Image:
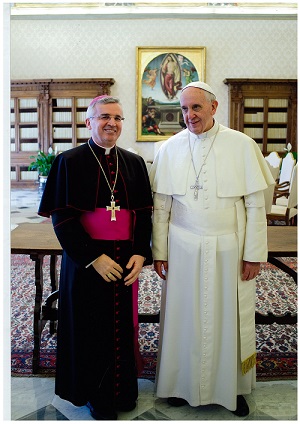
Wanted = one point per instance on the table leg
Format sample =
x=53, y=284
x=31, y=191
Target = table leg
x=53, y=273
x=54, y=286
x=37, y=330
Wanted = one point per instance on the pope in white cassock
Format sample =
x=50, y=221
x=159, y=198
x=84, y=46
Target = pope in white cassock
x=209, y=237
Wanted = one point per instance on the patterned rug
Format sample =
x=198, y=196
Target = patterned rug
x=276, y=344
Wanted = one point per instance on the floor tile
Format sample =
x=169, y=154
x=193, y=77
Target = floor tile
x=32, y=398
x=48, y=413
x=29, y=394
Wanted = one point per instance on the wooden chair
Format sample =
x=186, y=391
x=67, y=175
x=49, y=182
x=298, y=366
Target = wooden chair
x=281, y=196
x=50, y=313
x=274, y=160
x=274, y=167
x=282, y=188
x=287, y=166
x=286, y=212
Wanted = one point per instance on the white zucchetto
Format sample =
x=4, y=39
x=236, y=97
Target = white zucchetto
x=200, y=84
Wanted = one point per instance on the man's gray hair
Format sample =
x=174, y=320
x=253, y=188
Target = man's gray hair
x=101, y=100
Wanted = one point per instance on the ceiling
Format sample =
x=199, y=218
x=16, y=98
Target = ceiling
x=144, y=9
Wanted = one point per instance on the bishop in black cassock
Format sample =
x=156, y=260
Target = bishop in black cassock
x=97, y=353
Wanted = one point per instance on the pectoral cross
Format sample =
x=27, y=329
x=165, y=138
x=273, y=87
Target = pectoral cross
x=113, y=208
x=196, y=187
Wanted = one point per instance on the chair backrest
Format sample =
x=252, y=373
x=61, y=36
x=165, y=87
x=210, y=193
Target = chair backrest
x=293, y=198
x=288, y=163
x=274, y=159
x=275, y=170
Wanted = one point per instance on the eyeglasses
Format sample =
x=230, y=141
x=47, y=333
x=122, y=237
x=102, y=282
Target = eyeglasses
x=106, y=117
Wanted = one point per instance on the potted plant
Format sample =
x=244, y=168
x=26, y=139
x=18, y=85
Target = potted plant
x=42, y=163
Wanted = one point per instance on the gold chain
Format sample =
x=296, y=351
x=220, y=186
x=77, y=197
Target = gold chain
x=117, y=171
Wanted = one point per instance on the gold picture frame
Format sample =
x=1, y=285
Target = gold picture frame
x=161, y=73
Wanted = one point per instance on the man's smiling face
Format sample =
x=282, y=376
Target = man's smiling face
x=105, y=132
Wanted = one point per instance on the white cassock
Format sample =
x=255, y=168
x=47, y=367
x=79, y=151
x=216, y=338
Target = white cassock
x=207, y=333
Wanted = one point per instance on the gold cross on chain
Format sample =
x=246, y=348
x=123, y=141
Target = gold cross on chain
x=113, y=208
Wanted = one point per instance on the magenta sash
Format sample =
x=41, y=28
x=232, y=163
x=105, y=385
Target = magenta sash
x=99, y=225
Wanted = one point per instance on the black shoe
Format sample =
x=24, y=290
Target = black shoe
x=242, y=408
x=102, y=414
x=125, y=406
x=174, y=401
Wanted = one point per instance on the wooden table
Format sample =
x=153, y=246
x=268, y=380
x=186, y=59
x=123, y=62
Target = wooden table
x=39, y=240
x=282, y=242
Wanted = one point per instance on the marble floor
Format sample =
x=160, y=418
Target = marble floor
x=23, y=206
x=33, y=398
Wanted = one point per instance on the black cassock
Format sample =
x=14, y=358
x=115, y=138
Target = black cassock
x=96, y=361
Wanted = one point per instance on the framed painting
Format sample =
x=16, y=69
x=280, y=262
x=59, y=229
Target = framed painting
x=161, y=73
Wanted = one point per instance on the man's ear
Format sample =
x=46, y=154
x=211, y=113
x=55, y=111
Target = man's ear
x=88, y=123
x=214, y=106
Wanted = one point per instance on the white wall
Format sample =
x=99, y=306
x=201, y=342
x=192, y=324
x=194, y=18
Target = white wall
x=106, y=48
x=5, y=374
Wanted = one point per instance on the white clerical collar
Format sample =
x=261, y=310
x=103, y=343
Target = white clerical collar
x=208, y=134
x=107, y=149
